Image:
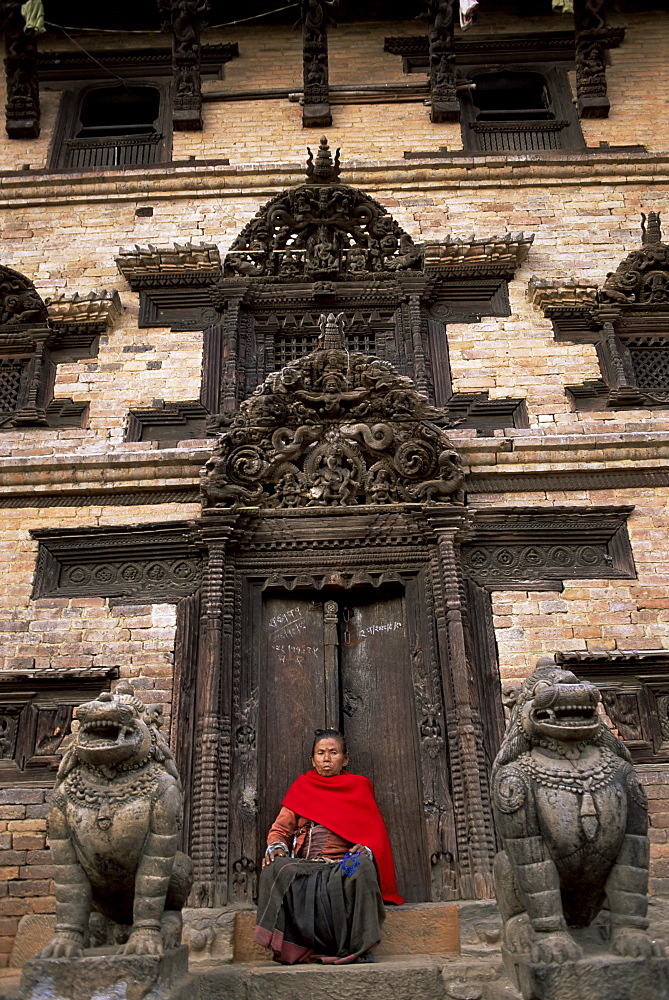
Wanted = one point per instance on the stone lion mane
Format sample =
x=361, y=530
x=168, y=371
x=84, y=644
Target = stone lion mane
x=113, y=827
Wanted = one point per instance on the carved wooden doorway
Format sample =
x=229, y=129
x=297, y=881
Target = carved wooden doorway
x=344, y=660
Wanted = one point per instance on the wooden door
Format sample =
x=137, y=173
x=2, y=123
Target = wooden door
x=343, y=661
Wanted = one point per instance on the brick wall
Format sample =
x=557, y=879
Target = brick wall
x=66, y=234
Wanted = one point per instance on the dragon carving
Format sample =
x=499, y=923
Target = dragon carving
x=113, y=826
x=573, y=820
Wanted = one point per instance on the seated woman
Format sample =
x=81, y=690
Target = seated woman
x=321, y=901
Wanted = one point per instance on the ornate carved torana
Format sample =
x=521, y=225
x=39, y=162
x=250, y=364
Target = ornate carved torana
x=591, y=46
x=628, y=320
x=322, y=231
x=334, y=428
x=444, y=104
x=186, y=19
x=315, y=19
x=22, y=108
x=321, y=244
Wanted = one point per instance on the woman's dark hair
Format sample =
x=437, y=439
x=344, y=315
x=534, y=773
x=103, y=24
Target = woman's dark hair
x=328, y=734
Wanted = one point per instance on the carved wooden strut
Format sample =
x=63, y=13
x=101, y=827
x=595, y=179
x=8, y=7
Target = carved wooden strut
x=444, y=105
x=186, y=19
x=315, y=19
x=590, y=25
x=22, y=109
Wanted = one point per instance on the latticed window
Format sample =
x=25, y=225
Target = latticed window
x=288, y=349
x=11, y=373
x=363, y=341
x=502, y=136
x=650, y=360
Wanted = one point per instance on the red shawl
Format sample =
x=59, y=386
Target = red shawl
x=345, y=804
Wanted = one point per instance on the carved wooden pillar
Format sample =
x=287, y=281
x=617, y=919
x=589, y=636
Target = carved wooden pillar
x=22, y=108
x=444, y=104
x=211, y=751
x=315, y=19
x=590, y=25
x=186, y=19
x=471, y=796
x=414, y=287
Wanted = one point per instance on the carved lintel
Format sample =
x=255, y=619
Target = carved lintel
x=315, y=20
x=444, y=104
x=22, y=108
x=186, y=19
x=591, y=45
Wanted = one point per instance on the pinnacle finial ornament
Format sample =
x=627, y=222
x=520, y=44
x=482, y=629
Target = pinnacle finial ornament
x=651, y=231
x=324, y=170
x=333, y=335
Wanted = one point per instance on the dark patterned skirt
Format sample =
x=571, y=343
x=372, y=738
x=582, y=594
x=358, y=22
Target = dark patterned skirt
x=314, y=911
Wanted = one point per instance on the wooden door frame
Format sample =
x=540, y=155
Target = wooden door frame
x=334, y=548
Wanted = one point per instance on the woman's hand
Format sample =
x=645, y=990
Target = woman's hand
x=269, y=858
x=358, y=849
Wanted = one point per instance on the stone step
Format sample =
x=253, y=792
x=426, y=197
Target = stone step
x=414, y=929
x=416, y=978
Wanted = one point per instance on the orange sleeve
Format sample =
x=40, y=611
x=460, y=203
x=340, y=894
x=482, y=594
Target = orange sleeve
x=283, y=828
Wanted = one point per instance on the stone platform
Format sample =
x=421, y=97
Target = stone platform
x=104, y=975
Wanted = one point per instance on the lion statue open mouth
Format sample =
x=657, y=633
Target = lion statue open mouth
x=113, y=827
x=573, y=820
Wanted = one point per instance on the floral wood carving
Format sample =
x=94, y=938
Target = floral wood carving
x=334, y=429
x=643, y=277
x=19, y=301
x=322, y=230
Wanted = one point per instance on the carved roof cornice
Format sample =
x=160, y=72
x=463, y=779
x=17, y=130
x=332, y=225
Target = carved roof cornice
x=188, y=263
x=139, y=62
x=616, y=657
x=570, y=293
x=492, y=256
x=553, y=45
x=10, y=678
x=97, y=309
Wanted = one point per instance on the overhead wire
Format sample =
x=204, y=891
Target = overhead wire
x=156, y=31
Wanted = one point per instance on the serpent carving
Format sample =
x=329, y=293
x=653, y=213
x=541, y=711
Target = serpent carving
x=113, y=826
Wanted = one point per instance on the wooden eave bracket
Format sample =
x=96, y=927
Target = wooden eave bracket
x=455, y=255
x=99, y=309
x=143, y=263
x=565, y=293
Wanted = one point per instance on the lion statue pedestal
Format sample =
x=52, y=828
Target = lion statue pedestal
x=572, y=877
x=121, y=883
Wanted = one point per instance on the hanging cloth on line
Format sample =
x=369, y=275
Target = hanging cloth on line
x=33, y=15
x=563, y=6
x=468, y=9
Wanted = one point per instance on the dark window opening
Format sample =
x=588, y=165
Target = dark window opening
x=511, y=97
x=518, y=108
x=112, y=126
x=119, y=111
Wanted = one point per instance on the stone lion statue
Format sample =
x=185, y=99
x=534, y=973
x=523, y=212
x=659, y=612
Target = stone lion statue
x=113, y=825
x=573, y=820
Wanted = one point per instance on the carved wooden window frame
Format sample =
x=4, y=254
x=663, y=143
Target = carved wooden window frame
x=642, y=679
x=26, y=701
x=68, y=121
x=565, y=127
